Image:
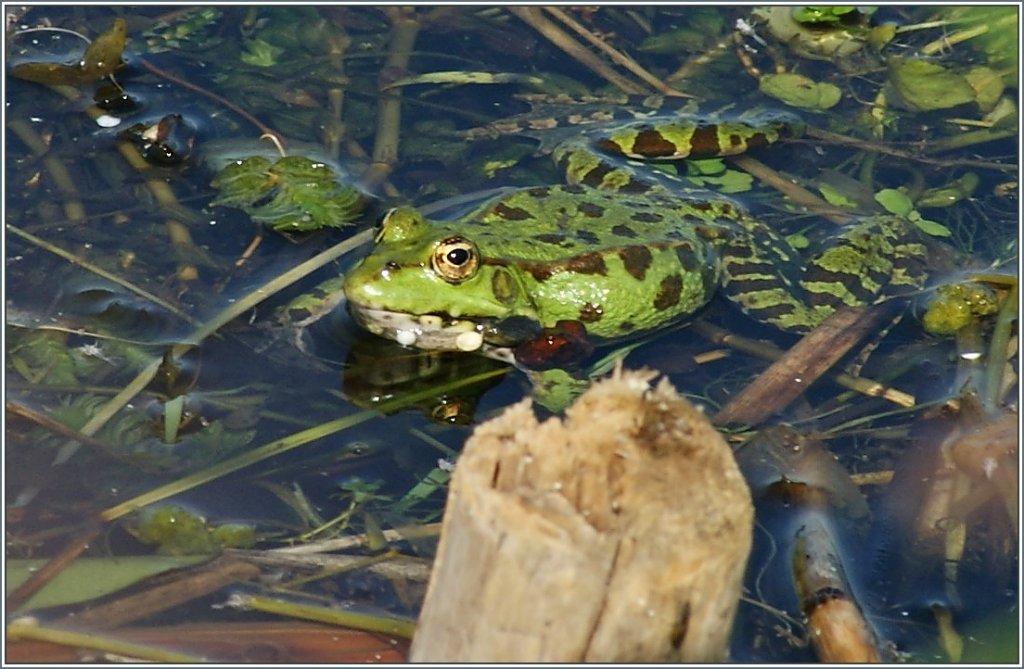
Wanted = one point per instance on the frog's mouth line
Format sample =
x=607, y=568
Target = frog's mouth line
x=429, y=332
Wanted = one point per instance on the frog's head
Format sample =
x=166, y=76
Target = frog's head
x=428, y=285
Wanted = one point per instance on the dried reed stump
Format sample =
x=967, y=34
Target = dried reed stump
x=617, y=535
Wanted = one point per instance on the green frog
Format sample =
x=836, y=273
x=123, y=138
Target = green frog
x=614, y=252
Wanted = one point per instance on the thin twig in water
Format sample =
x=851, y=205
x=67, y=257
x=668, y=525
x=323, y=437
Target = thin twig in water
x=817, y=133
x=616, y=55
x=98, y=271
x=533, y=17
x=263, y=128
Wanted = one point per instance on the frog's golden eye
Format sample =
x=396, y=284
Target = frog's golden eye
x=455, y=259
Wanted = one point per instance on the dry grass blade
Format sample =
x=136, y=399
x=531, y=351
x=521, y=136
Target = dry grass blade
x=106, y=645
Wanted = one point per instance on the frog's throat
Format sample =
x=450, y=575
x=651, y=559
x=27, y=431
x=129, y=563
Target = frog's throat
x=428, y=332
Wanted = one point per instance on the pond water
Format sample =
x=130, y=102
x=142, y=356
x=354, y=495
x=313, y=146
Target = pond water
x=146, y=308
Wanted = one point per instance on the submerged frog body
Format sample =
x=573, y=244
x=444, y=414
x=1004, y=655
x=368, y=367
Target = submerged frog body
x=613, y=251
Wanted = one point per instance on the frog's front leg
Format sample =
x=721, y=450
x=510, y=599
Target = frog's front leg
x=307, y=309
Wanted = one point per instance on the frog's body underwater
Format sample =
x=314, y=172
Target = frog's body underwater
x=615, y=252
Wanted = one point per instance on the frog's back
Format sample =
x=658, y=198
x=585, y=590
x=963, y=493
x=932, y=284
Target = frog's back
x=617, y=264
x=558, y=223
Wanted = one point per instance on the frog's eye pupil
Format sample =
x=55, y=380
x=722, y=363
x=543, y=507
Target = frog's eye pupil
x=458, y=256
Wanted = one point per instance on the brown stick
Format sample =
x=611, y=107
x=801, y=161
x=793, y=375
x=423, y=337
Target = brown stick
x=200, y=582
x=789, y=376
x=72, y=550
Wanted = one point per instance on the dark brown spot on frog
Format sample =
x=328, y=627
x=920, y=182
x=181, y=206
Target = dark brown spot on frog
x=646, y=217
x=623, y=231
x=704, y=142
x=773, y=312
x=710, y=281
x=636, y=260
x=591, y=313
x=550, y=238
x=750, y=266
x=650, y=143
x=539, y=271
x=668, y=292
x=756, y=140
x=587, y=237
x=738, y=250
x=587, y=263
x=539, y=191
x=591, y=210
x=687, y=258
x=609, y=147
x=573, y=189
x=634, y=186
x=626, y=326
x=595, y=177
x=511, y=213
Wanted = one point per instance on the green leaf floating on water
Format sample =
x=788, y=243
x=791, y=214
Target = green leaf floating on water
x=836, y=197
x=797, y=90
x=89, y=578
x=293, y=194
x=101, y=58
x=713, y=173
x=987, y=85
x=896, y=202
x=919, y=85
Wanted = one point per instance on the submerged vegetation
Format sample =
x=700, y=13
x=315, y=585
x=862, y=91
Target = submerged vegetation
x=184, y=186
